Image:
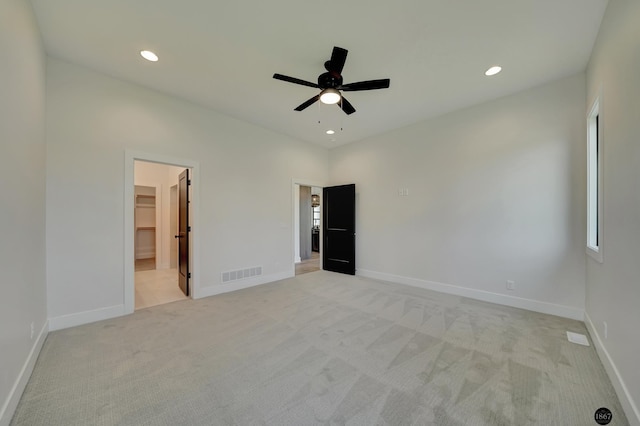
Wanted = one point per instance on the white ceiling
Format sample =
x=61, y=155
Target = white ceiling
x=223, y=54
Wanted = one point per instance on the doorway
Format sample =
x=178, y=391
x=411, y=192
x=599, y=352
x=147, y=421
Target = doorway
x=157, y=207
x=308, y=228
x=130, y=158
x=339, y=229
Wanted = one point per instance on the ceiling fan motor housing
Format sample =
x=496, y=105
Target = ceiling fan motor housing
x=330, y=80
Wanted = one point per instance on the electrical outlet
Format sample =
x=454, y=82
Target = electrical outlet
x=510, y=284
x=606, y=329
x=33, y=329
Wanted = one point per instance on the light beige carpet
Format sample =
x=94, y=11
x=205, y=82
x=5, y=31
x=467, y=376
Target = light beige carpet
x=320, y=349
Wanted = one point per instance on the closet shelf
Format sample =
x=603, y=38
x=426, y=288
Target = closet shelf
x=143, y=200
x=146, y=228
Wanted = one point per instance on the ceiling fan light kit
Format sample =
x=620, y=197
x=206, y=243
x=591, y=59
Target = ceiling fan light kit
x=329, y=96
x=330, y=83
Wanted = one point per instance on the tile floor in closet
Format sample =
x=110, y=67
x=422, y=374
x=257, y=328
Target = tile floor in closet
x=155, y=286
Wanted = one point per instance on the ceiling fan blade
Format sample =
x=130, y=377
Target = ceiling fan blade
x=307, y=103
x=346, y=106
x=294, y=80
x=338, y=58
x=366, y=85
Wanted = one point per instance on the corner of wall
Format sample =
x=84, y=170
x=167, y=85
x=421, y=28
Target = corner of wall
x=626, y=399
x=10, y=405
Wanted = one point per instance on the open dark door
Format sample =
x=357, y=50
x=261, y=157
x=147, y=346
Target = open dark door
x=183, y=232
x=339, y=229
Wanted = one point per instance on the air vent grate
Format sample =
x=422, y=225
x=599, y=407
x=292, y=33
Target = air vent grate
x=578, y=338
x=241, y=274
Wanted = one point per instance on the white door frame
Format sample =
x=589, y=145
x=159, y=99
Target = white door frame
x=295, y=201
x=129, y=210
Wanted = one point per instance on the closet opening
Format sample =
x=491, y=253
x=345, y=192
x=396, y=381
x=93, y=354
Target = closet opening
x=159, y=275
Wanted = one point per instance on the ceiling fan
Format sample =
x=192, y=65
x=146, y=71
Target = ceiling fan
x=331, y=83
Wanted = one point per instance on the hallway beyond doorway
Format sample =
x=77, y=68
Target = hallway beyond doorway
x=309, y=265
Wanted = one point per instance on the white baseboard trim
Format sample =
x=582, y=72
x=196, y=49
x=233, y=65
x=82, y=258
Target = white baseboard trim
x=628, y=404
x=80, y=318
x=86, y=317
x=485, y=296
x=9, y=406
x=242, y=284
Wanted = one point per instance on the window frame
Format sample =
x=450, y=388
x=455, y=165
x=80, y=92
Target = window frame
x=595, y=193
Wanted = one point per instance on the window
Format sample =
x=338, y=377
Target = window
x=594, y=182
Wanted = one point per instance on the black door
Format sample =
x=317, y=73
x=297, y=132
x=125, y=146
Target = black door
x=339, y=229
x=183, y=232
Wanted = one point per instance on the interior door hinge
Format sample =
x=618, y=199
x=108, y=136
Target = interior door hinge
x=188, y=229
x=188, y=181
x=189, y=275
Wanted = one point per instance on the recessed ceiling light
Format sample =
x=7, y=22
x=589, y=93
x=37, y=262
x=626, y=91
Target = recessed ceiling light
x=149, y=55
x=493, y=70
x=330, y=132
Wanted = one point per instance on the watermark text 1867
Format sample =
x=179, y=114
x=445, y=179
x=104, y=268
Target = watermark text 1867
x=603, y=416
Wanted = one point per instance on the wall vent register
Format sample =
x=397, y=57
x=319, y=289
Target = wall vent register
x=241, y=274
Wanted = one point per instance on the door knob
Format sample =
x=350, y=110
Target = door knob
x=177, y=236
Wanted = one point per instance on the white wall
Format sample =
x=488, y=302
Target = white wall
x=22, y=191
x=163, y=177
x=613, y=287
x=495, y=193
x=245, y=184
